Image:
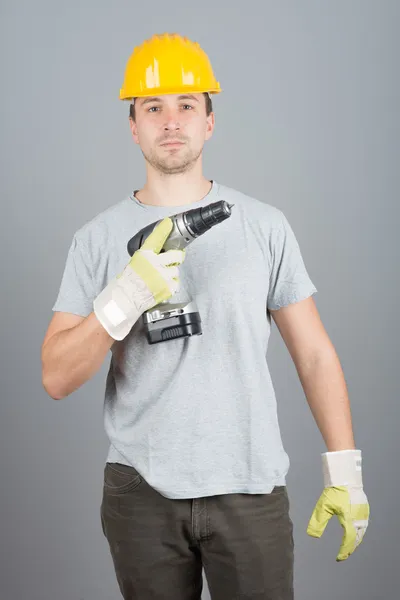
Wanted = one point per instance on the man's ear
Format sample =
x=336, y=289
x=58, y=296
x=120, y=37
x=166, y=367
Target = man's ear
x=210, y=125
x=134, y=132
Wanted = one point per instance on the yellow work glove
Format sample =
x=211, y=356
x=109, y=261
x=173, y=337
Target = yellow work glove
x=148, y=279
x=343, y=495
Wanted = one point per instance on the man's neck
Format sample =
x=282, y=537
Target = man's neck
x=174, y=190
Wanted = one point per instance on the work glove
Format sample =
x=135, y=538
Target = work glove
x=148, y=279
x=343, y=495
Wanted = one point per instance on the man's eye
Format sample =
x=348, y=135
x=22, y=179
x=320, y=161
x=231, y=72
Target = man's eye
x=185, y=106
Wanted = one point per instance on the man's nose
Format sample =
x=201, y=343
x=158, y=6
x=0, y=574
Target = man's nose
x=171, y=121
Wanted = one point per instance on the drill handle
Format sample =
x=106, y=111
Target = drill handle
x=138, y=239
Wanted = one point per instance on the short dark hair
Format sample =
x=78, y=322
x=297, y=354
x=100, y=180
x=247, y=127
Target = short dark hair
x=209, y=107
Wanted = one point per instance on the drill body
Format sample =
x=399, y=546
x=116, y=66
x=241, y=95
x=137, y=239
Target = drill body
x=170, y=320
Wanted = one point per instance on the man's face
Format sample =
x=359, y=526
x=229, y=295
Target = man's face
x=171, y=130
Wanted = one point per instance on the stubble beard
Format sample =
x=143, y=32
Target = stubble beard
x=172, y=164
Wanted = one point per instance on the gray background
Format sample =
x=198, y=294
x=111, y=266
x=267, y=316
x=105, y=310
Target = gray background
x=308, y=121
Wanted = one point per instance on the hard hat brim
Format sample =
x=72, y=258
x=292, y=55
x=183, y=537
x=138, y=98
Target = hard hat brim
x=125, y=95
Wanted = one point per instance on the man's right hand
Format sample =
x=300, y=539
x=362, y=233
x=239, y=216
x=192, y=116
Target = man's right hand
x=148, y=279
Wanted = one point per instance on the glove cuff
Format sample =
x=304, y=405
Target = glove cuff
x=120, y=304
x=342, y=468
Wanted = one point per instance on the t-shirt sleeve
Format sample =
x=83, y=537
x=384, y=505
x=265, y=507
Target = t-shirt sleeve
x=76, y=292
x=289, y=279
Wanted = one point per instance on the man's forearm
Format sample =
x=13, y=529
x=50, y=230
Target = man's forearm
x=325, y=388
x=71, y=357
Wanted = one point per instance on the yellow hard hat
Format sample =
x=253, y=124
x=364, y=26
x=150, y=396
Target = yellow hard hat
x=168, y=64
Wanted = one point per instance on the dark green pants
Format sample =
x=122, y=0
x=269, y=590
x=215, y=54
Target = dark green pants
x=159, y=546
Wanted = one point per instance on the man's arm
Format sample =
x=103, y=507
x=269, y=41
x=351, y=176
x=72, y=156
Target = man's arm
x=73, y=350
x=319, y=371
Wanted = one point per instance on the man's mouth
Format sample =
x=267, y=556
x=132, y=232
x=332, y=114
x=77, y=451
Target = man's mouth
x=173, y=143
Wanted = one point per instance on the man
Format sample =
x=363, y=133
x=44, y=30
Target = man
x=195, y=473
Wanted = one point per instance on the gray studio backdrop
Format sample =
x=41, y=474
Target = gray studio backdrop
x=308, y=121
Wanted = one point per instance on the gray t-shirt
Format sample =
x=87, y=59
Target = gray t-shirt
x=197, y=416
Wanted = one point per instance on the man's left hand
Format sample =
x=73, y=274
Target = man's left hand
x=343, y=495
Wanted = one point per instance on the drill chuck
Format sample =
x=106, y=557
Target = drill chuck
x=199, y=220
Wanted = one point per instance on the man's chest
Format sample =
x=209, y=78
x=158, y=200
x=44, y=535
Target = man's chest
x=228, y=261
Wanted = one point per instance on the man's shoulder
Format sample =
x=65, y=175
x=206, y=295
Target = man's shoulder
x=251, y=206
x=100, y=223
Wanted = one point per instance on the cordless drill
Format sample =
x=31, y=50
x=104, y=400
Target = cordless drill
x=170, y=320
